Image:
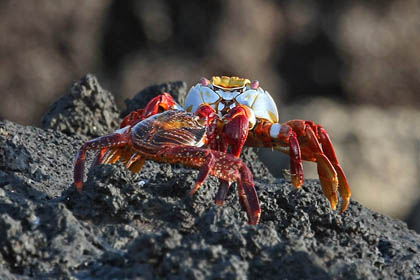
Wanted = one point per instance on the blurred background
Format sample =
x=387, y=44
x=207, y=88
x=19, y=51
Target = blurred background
x=352, y=66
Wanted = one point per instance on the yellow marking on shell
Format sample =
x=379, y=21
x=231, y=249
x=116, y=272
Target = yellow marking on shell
x=230, y=82
x=273, y=117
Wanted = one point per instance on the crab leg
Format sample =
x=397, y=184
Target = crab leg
x=296, y=167
x=136, y=162
x=281, y=137
x=343, y=185
x=205, y=170
x=326, y=171
x=120, y=138
x=99, y=157
x=302, y=140
x=222, y=165
x=320, y=134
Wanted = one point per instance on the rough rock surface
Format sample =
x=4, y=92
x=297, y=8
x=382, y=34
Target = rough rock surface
x=87, y=109
x=147, y=226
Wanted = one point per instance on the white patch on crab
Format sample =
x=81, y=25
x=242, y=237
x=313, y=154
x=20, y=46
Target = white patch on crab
x=227, y=95
x=178, y=107
x=201, y=143
x=208, y=95
x=264, y=106
x=247, y=98
x=219, y=108
x=252, y=120
x=275, y=130
x=198, y=95
x=122, y=130
x=194, y=99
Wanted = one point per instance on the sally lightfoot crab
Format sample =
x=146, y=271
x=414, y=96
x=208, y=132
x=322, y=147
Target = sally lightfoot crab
x=225, y=115
x=172, y=136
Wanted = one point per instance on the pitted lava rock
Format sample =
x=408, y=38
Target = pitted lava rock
x=146, y=226
x=87, y=109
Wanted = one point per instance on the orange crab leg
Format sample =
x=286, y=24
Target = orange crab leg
x=282, y=138
x=326, y=171
x=160, y=103
x=321, y=135
x=99, y=157
x=305, y=140
x=296, y=167
x=222, y=165
x=343, y=185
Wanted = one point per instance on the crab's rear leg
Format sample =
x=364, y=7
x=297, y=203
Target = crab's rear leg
x=298, y=139
x=316, y=136
x=326, y=171
x=343, y=185
x=117, y=139
x=281, y=137
x=222, y=165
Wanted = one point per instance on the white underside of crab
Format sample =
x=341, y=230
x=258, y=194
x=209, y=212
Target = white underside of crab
x=223, y=99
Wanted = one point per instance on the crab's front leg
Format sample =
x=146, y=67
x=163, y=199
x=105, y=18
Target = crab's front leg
x=222, y=165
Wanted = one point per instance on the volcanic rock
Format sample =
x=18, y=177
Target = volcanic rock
x=146, y=225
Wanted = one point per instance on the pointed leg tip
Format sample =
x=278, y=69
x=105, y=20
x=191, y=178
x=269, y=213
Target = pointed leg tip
x=79, y=186
x=297, y=181
x=345, y=205
x=219, y=202
x=333, y=201
x=194, y=190
x=255, y=219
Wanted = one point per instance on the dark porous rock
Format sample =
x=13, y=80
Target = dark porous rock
x=147, y=226
x=413, y=219
x=87, y=109
x=177, y=89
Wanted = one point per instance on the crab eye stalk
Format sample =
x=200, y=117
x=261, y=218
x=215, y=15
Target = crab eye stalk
x=204, y=82
x=255, y=84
